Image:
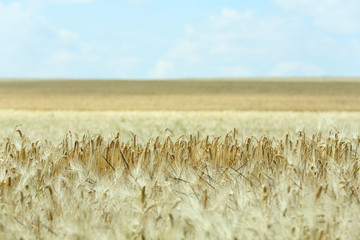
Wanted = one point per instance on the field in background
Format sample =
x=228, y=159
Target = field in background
x=53, y=125
x=181, y=95
x=158, y=174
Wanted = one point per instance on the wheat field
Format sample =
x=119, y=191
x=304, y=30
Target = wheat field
x=146, y=180
x=110, y=173
x=293, y=187
x=286, y=94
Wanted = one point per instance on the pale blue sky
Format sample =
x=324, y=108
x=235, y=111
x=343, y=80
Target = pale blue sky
x=146, y=39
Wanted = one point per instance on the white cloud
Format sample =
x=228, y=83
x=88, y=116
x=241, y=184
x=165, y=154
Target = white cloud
x=235, y=71
x=19, y=36
x=138, y=2
x=188, y=51
x=230, y=13
x=16, y=20
x=340, y=16
x=294, y=68
x=68, y=35
x=229, y=44
x=243, y=43
x=161, y=69
x=31, y=47
x=123, y=66
x=62, y=56
x=227, y=17
x=68, y=2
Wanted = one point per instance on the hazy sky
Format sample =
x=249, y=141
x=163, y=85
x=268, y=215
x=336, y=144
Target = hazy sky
x=179, y=38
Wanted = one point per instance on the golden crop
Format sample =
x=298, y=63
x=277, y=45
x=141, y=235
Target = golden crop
x=293, y=187
x=262, y=159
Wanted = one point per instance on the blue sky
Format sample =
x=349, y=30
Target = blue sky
x=151, y=39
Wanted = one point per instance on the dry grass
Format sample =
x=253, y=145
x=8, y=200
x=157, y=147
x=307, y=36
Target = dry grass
x=293, y=187
x=181, y=95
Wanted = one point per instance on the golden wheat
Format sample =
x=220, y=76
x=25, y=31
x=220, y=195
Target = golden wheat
x=295, y=187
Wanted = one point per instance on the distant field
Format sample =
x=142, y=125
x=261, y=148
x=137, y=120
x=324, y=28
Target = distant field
x=53, y=125
x=181, y=95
